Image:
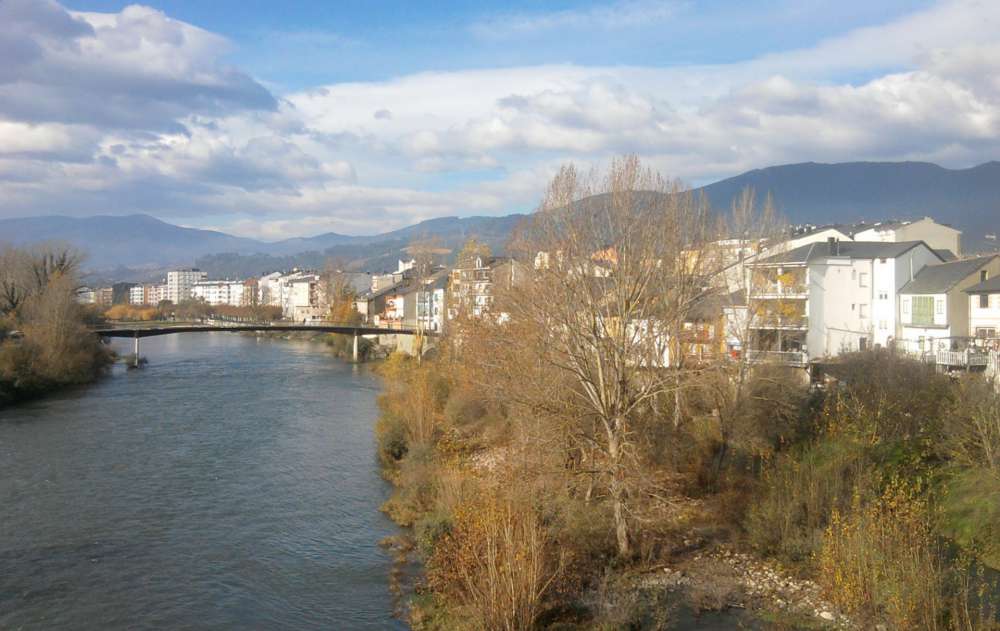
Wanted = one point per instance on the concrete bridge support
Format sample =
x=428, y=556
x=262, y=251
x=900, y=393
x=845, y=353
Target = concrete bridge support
x=355, y=347
x=135, y=359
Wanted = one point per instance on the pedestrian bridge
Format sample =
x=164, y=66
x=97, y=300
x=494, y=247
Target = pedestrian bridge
x=354, y=330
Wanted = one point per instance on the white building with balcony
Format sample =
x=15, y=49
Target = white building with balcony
x=824, y=299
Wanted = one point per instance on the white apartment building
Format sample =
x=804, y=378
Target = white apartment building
x=181, y=282
x=137, y=295
x=823, y=299
x=220, y=292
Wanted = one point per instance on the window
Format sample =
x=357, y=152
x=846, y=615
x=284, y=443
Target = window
x=863, y=279
x=986, y=332
x=939, y=307
x=906, y=305
x=862, y=311
x=983, y=275
x=923, y=310
x=883, y=295
x=984, y=301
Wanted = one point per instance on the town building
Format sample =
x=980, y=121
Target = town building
x=221, y=292
x=181, y=282
x=474, y=285
x=104, y=297
x=937, y=236
x=137, y=295
x=934, y=308
x=822, y=299
x=86, y=295
x=984, y=310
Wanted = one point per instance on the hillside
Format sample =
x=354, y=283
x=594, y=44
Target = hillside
x=968, y=199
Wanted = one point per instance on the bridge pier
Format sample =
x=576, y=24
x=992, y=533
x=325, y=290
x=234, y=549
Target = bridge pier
x=136, y=352
x=355, y=346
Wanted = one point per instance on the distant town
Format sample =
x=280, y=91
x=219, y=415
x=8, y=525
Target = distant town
x=818, y=292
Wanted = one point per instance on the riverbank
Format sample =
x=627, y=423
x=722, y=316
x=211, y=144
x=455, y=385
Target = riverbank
x=804, y=522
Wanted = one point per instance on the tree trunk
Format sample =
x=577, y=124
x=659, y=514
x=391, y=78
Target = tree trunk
x=619, y=495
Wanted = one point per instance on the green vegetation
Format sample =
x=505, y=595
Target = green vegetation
x=44, y=342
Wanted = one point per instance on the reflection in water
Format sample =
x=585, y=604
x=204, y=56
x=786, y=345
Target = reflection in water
x=231, y=483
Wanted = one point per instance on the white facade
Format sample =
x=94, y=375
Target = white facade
x=924, y=322
x=181, y=282
x=984, y=315
x=852, y=301
x=220, y=292
x=137, y=295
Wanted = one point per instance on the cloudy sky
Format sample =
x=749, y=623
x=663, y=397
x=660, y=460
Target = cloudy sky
x=277, y=119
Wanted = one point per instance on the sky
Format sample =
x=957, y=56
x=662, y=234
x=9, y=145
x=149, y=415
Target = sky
x=282, y=119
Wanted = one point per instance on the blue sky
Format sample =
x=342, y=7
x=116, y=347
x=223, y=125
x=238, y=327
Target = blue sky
x=276, y=119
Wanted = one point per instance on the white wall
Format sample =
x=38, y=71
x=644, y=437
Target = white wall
x=840, y=309
x=984, y=318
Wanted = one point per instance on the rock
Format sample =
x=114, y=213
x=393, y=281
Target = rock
x=826, y=615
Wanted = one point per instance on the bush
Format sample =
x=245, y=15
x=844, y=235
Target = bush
x=882, y=561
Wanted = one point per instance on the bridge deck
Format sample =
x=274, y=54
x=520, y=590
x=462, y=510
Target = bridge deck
x=346, y=329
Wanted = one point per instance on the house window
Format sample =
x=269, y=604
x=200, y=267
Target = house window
x=984, y=301
x=862, y=311
x=985, y=331
x=863, y=279
x=906, y=305
x=923, y=310
x=983, y=275
x=939, y=307
x=883, y=295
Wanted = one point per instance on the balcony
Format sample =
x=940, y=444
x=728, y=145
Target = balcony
x=783, y=358
x=962, y=359
x=776, y=323
x=780, y=290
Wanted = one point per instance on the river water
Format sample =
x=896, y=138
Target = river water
x=231, y=483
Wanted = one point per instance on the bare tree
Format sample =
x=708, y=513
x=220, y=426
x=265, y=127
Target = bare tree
x=618, y=265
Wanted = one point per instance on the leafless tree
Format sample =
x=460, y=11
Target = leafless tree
x=618, y=264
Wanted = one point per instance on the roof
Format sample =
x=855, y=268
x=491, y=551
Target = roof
x=847, y=249
x=990, y=286
x=940, y=278
x=946, y=255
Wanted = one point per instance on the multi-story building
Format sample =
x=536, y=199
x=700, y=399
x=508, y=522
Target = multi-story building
x=181, y=282
x=104, y=297
x=137, y=295
x=220, y=292
x=822, y=299
x=934, y=306
x=154, y=294
x=474, y=285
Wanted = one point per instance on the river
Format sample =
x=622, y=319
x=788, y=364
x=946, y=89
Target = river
x=231, y=483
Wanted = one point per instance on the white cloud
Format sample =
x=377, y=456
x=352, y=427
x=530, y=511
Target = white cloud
x=134, y=111
x=619, y=15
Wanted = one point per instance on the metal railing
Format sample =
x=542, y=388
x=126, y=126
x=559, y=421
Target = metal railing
x=787, y=358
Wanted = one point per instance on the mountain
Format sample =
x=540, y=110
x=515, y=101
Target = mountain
x=968, y=199
x=138, y=241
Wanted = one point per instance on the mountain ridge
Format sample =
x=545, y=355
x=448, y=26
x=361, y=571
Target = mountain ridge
x=805, y=192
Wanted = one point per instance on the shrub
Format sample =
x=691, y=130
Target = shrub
x=882, y=561
x=497, y=561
